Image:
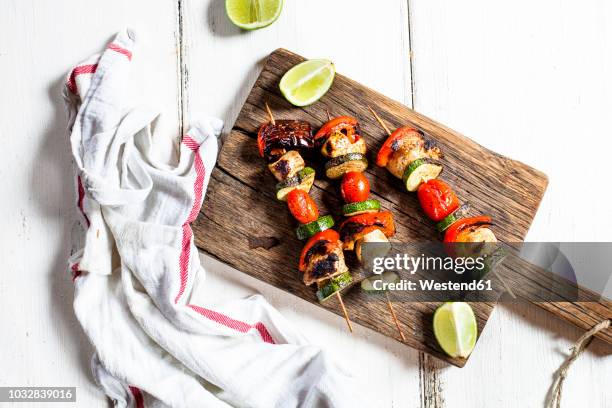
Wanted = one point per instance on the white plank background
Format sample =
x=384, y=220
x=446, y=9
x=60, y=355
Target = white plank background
x=528, y=79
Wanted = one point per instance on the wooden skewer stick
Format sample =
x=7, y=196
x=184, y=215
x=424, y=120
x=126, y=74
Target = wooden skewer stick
x=389, y=304
x=380, y=120
x=346, y=316
x=504, y=283
x=270, y=114
x=399, y=329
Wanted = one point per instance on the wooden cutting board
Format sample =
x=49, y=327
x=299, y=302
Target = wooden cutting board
x=243, y=225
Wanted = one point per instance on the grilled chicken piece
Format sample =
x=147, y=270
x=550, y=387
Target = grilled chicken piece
x=410, y=147
x=475, y=241
x=274, y=140
x=287, y=166
x=338, y=144
x=379, y=247
x=476, y=234
x=324, y=259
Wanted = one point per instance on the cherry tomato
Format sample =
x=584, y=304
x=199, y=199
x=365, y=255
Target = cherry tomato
x=355, y=187
x=302, y=206
x=437, y=199
x=328, y=235
x=391, y=145
x=344, y=124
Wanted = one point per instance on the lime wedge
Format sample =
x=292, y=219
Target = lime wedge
x=387, y=277
x=307, y=82
x=253, y=14
x=455, y=328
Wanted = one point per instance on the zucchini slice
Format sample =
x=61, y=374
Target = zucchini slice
x=305, y=231
x=420, y=171
x=306, y=172
x=333, y=285
x=367, y=285
x=303, y=181
x=369, y=252
x=453, y=217
x=446, y=222
x=338, y=166
x=362, y=207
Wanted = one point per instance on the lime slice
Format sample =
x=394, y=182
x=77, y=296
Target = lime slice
x=387, y=277
x=253, y=14
x=455, y=328
x=307, y=82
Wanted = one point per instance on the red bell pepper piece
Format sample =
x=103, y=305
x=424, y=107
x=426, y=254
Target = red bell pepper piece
x=454, y=230
x=391, y=145
x=261, y=142
x=343, y=124
x=328, y=235
x=437, y=199
x=357, y=226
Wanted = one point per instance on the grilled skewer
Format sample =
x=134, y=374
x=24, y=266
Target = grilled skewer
x=340, y=140
x=322, y=259
x=408, y=155
x=404, y=152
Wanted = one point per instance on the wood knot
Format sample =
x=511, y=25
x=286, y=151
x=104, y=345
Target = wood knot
x=263, y=242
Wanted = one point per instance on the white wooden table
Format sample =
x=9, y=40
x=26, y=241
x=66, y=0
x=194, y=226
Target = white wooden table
x=528, y=79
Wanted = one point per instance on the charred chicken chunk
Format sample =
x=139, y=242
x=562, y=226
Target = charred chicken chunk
x=324, y=260
x=408, y=148
x=287, y=166
x=338, y=144
x=340, y=136
x=477, y=234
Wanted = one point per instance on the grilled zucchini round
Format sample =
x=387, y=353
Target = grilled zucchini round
x=303, y=180
x=339, y=166
x=420, y=171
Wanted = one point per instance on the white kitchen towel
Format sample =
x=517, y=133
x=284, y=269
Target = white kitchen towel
x=135, y=275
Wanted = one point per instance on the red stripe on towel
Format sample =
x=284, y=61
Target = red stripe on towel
x=198, y=187
x=120, y=50
x=82, y=69
x=138, y=398
x=75, y=271
x=237, y=325
x=81, y=195
x=184, y=260
x=190, y=143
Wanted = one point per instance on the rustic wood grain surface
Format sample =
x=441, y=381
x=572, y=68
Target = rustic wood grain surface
x=555, y=294
x=241, y=205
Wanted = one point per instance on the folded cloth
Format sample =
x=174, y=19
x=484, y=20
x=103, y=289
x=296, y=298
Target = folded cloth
x=135, y=275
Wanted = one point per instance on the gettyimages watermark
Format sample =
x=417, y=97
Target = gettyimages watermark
x=414, y=264
x=486, y=272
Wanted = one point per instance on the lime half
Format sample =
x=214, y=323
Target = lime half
x=455, y=328
x=253, y=14
x=307, y=82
